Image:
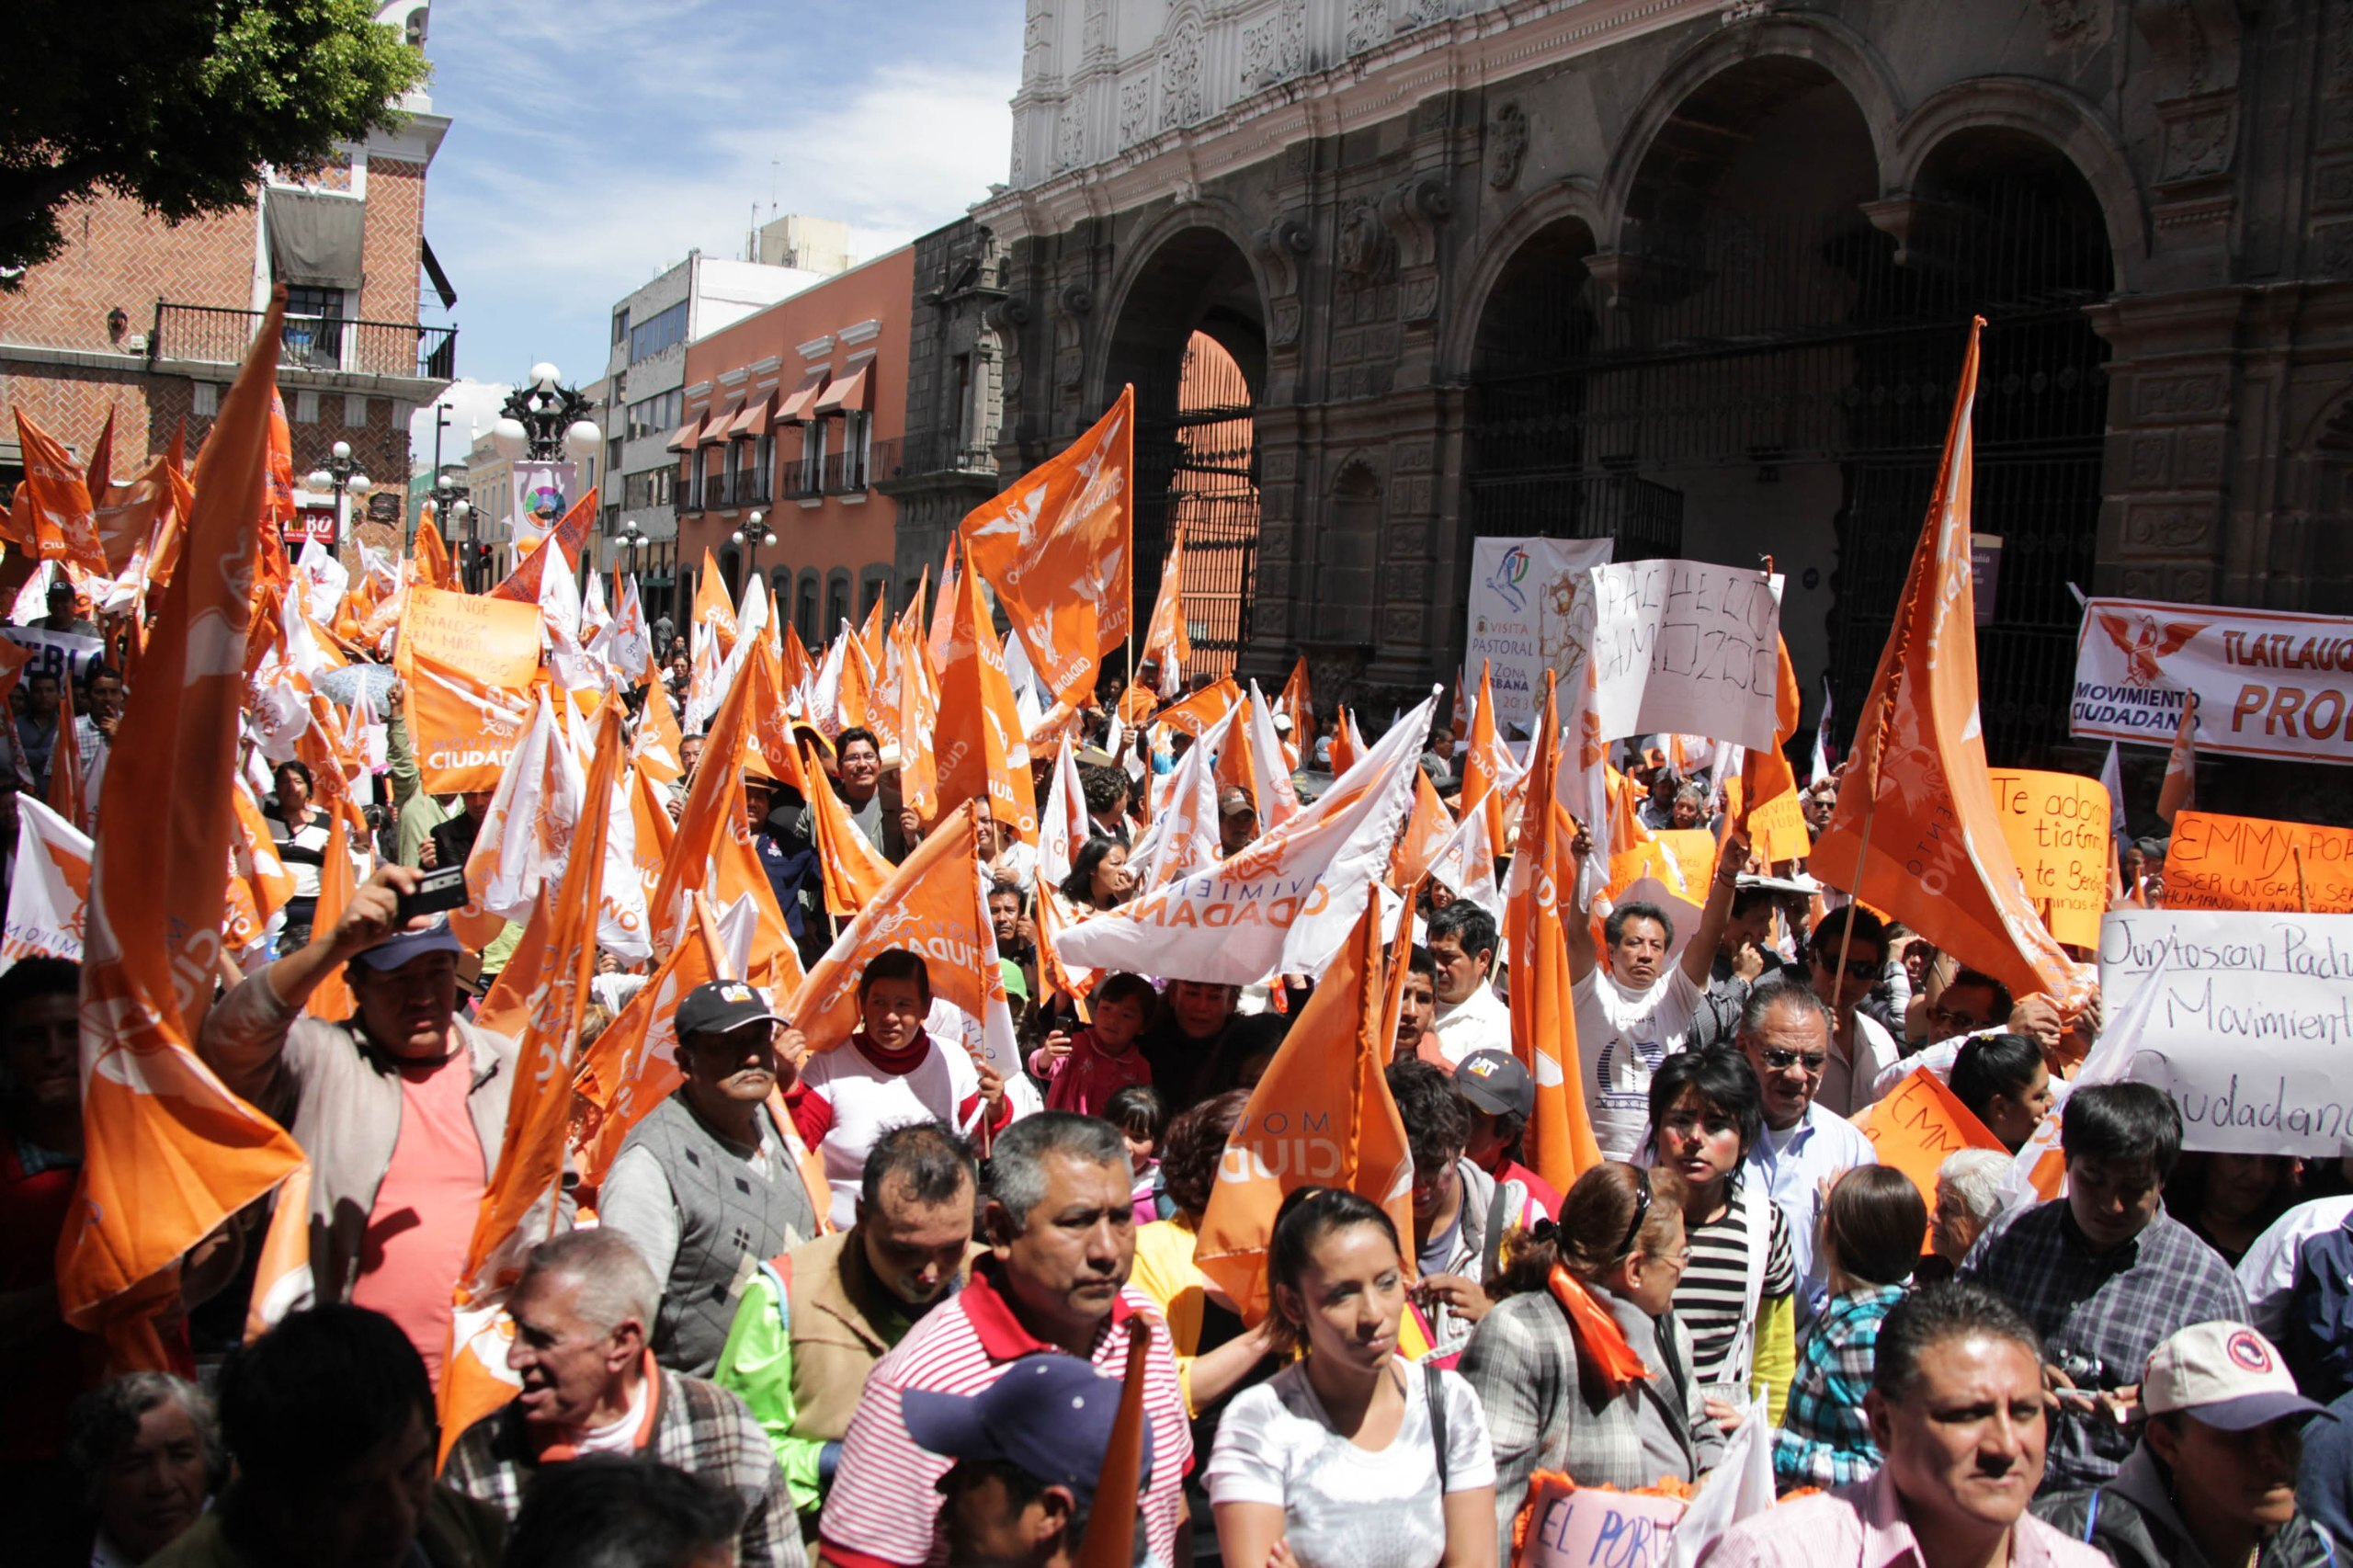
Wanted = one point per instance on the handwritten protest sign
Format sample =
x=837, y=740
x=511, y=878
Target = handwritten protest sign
x=1592, y=1527
x=497, y=641
x=1778, y=830
x=1919, y=1125
x=2250, y=1030
x=2058, y=827
x=2224, y=862
x=1684, y=647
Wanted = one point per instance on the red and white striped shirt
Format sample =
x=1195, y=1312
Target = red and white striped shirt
x=882, y=1508
x=849, y=1096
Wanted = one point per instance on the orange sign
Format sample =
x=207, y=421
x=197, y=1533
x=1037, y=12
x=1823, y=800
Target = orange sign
x=2058, y=827
x=1918, y=1126
x=2222, y=862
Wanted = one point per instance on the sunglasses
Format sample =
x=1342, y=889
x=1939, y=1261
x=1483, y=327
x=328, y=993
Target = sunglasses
x=1782, y=1061
x=1856, y=968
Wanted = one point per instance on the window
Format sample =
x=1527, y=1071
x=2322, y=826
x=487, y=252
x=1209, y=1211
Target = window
x=664, y=330
x=805, y=615
x=762, y=465
x=836, y=600
x=812, y=457
x=876, y=585
x=857, y=448
x=313, y=332
x=655, y=416
x=620, y=324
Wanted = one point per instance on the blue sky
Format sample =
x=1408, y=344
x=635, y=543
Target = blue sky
x=595, y=142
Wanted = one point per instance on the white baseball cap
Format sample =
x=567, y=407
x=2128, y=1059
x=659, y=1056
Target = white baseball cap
x=2226, y=1375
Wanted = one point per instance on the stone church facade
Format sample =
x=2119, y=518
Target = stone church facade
x=1697, y=276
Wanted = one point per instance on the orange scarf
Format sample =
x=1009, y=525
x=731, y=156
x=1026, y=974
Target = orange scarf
x=1597, y=1332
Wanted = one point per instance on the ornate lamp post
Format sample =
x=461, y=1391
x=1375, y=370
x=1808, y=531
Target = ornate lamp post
x=342, y=475
x=545, y=420
x=751, y=536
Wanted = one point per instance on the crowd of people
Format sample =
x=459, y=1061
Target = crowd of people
x=871, y=1299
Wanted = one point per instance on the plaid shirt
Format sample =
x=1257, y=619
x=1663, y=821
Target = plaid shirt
x=699, y=1427
x=2100, y=1316
x=1825, y=1439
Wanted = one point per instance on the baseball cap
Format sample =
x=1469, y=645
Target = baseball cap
x=2226, y=1375
x=402, y=946
x=1234, y=801
x=1495, y=1083
x=1049, y=1415
x=720, y=1006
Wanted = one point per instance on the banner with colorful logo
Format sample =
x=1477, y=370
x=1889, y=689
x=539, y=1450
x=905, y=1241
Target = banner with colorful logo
x=1521, y=590
x=2269, y=683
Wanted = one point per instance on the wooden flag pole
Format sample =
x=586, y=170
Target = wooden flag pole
x=2303, y=892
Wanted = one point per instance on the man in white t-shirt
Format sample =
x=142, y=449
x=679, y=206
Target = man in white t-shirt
x=1631, y=1016
x=1471, y=1016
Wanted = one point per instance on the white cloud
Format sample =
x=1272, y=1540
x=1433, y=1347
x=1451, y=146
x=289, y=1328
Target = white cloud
x=638, y=133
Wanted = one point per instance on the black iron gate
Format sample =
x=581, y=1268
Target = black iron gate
x=1752, y=343
x=1196, y=472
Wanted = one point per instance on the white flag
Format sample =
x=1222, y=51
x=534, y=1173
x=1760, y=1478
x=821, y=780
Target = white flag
x=1286, y=901
x=1269, y=771
x=527, y=832
x=1063, y=825
x=1740, y=1486
x=1183, y=837
x=49, y=891
x=1465, y=862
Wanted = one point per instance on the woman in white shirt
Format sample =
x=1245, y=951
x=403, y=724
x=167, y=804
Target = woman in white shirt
x=1352, y=1457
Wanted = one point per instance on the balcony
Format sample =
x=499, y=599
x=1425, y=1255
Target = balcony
x=219, y=337
x=935, y=453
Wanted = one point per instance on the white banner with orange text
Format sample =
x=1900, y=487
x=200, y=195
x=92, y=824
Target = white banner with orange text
x=2269, y=683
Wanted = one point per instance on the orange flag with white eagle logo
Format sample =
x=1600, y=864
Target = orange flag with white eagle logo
x=1323, y=1116
x=519, y=1209
x=1916, y=832
x=64, y=518
x=1560, y=1141
x=979, y=732
x=170, y=1154
x=1057, y=546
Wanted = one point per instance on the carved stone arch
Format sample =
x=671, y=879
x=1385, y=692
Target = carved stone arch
x=2069, y=124
x=1357, y=473
x=1835, y=47
x=1222, y=217
x=1572, y=200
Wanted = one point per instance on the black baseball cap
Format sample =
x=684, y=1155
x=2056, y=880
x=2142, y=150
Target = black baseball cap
x=721, y=1006
x=1494, y=1082
x=1049, y=1415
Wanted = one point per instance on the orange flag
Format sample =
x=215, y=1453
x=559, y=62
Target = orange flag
x=1298, y=702
x=1110, y=1538
x=518, y=1210
x=1347, y=745
x=658, y=739
x=66, y=765
x=979, y=728
x=570, y=533
x=1321, y=1116
x=2178, y=792
x=713, y=851
x=1425, y=833
x=169, y=1152
x=278, y=509
x=1195, y=713
x=634, y=1065
x=260, y=883
x=1168, y=641
x=430, y=564
x=1485, y=765
x=1921, y=837
x=65, y=521
x=855, y=871
x=1056, y=545
x=1560, y=1140
x=333, y=999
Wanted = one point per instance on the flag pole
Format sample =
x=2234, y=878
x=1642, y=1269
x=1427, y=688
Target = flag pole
x=2303, y=892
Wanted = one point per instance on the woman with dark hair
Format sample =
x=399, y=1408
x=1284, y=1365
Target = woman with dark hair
x=1217, y=1357
x=2004, y=1083
x=2227, y=1200
x=1737, y=1297
x=1872, y=1226
x=299, y=831
x=1583, y=1366
x=1099, y=878
x=1351, y=1457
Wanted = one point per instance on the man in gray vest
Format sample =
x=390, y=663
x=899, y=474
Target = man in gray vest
x=708, y=1187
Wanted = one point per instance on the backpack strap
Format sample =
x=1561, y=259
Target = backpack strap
x=1436, y=1392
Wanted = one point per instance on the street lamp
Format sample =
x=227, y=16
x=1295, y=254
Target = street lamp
x=545, y=419
x=342, y=475
x=752, y=535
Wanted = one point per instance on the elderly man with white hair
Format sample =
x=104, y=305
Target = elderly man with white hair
x=1969, y=1199
x=582, y=1311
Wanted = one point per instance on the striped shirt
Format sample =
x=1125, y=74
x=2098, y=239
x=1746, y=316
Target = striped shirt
x=1712, y=1298
x=882, y=1508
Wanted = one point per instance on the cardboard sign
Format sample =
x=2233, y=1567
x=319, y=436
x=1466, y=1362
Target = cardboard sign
x=2058, y=827
x=2269, y=683
x=2250, y=1031
x=1919, y=1125
x=495, y=641
x=2224, y=862
x=1522, y=591
x=1686, y=647
x=1592, y=1527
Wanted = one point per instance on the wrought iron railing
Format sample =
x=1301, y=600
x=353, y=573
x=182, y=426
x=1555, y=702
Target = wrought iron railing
x=214, y=334
x=935, y=453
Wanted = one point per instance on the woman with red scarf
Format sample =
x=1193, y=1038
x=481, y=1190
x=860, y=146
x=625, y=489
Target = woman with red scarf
x=1582, y=1366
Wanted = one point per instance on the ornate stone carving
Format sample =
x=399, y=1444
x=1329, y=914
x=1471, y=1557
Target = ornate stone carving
x=1506, y=144
x=1275, y=48
x=1180, y=73
x=2071, y=21
x=1135, y=109
x=1281, y=244
x=1037, y=42
x=1363, y=249
x=2196, y=40
x=1367, y=25
x=1094, y=29
x=2202, y=136
x=1423, y=13
x=1069, y=136
x=1412, y=213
